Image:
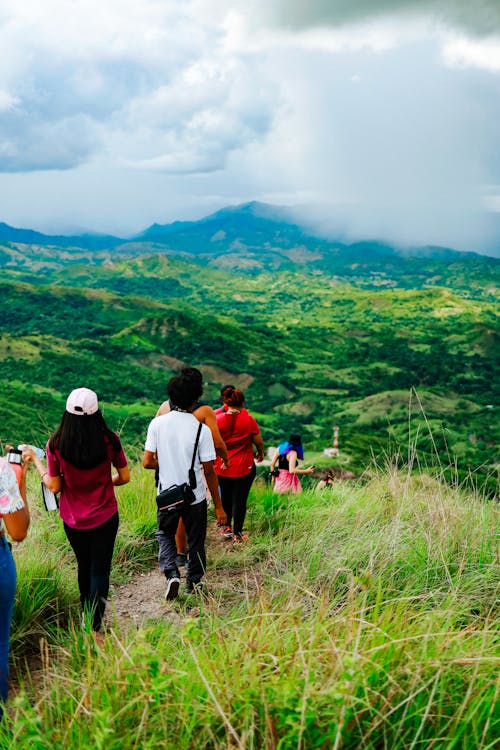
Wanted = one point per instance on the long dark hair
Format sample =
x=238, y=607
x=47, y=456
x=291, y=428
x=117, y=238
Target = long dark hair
x=83, y=440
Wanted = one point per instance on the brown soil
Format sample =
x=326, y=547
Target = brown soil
x=143, y=598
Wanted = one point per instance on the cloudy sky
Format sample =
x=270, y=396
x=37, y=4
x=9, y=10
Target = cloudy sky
x=381, y=117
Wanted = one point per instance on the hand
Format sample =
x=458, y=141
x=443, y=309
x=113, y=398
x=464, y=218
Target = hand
x=28, y=454
x=309, y=470
x=220, y=515
x=259, y=456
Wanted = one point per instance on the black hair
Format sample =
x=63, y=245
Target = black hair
x=193, y=373
x=82, y=440
x=224, y=389
x=295, y=439
x=184, y=391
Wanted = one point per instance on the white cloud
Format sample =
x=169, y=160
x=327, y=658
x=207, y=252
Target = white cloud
x=145, y=81
x=155, y=108
x=463, y=52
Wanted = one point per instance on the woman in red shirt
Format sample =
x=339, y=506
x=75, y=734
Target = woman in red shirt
x=80, y=457
x=240, y=432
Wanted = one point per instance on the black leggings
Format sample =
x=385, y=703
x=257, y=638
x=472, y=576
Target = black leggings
x=93, y=549
x=234, y=494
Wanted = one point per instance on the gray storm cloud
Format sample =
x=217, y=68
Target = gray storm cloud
x=481, y=17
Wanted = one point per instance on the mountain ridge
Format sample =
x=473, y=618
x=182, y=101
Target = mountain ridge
x=253, y=224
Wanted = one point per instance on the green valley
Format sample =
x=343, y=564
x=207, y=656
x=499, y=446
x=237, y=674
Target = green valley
x=390, y=366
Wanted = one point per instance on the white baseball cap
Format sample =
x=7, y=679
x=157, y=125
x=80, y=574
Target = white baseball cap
x=82, y=401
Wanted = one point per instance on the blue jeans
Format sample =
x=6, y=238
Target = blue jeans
x=7, y=592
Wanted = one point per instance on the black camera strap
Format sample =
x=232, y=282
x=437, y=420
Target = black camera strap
x=191, y=474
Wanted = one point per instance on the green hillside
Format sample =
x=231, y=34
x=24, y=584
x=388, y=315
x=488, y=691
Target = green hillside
x=364, y=616
x=308, y=350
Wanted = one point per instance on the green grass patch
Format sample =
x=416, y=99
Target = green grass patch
x=367, y=618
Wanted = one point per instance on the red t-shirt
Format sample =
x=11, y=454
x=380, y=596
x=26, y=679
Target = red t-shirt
x=236, y=431
x=87, y=497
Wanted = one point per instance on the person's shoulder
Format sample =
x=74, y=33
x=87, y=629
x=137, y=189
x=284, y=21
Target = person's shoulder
x=159, y=420
x=164, y=408
x=249, y=416
x=202, y=411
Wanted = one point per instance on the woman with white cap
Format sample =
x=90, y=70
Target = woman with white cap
x=80, y=457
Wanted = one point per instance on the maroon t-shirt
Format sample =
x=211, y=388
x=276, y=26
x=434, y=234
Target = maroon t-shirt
x=236, y=431
x=87, y=497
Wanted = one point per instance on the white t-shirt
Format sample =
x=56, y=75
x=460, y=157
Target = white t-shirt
x=172, y=437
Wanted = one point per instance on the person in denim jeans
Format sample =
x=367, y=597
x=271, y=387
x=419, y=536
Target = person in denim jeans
x=14, y=516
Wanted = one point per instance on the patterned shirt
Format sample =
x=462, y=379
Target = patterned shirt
x=10, y=497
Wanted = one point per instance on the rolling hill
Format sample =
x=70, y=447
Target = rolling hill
x=395, y=356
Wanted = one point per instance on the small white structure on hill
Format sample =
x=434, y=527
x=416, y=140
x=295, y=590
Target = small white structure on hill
x=332, y=452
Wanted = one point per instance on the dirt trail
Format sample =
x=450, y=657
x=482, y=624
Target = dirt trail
x=142, y=601
x=143, y=598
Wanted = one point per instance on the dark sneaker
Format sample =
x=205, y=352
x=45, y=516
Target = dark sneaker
x=180, y=560
x=226, y=532
x=194, y=587
x=172, y=588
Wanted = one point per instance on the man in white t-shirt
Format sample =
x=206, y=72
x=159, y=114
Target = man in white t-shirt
x=169, y=448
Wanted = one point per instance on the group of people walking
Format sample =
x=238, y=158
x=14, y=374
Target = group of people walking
x=187, y=444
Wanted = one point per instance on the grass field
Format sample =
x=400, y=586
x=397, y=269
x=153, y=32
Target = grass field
x=369, y=619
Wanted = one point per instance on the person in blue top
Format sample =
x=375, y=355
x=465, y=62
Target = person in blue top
x=287, y=457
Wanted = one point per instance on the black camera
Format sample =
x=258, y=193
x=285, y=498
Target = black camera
x=274, y=473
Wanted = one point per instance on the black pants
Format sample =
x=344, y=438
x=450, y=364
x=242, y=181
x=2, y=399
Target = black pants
x=234, y=494
x=195, y=521
x=93, y=549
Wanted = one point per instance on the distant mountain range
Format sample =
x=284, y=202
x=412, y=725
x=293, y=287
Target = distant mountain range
x=253, y=239
x=250, y=226
x=31, y=237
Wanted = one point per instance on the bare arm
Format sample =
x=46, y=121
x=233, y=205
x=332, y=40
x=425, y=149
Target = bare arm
x=54, y=484
x=213, y=486
x=292, y=465
x=17, y=523
x=121, y=477
x=206, y=415
x=150, y=460
x=259, y=444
